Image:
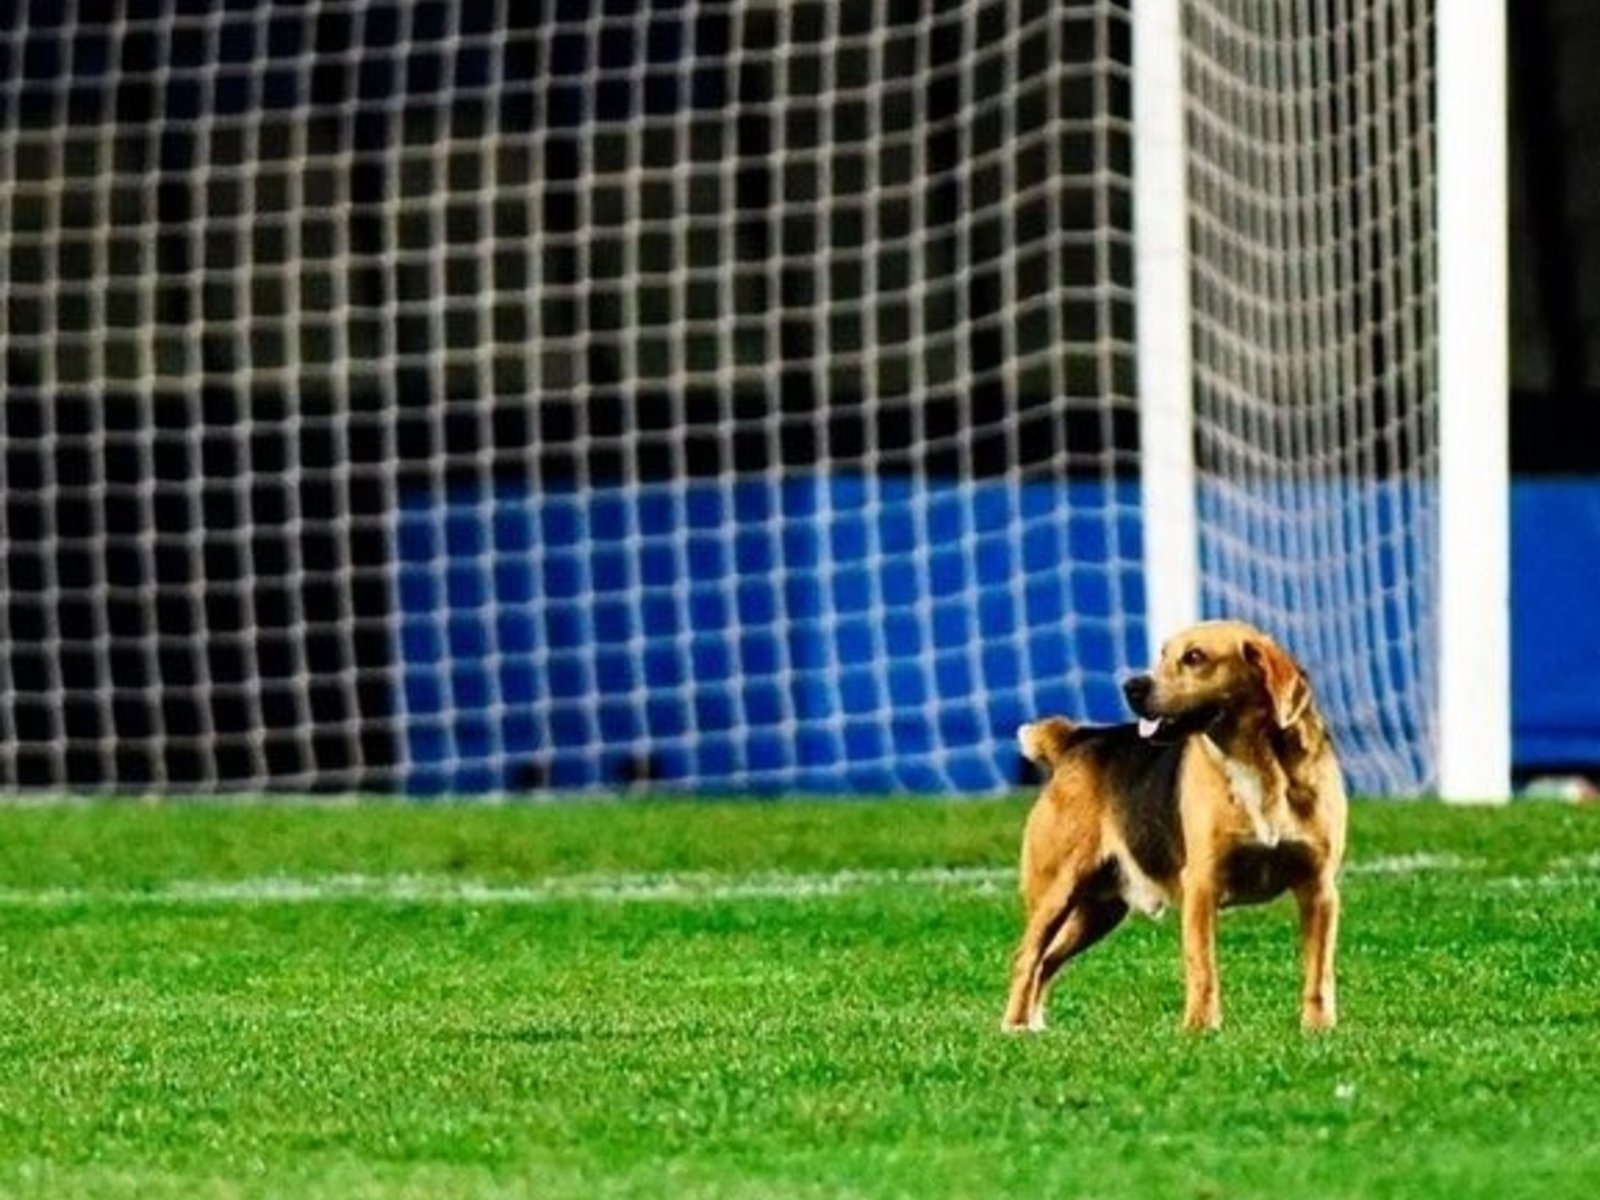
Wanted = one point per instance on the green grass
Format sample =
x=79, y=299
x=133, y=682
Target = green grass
x=459, y=1002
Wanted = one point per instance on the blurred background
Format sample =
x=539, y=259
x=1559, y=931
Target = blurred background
x=469, y=397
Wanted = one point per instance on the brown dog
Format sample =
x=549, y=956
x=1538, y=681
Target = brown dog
x=1227, y=791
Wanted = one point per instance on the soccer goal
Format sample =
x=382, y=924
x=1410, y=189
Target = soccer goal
x=1323, y=358
x=753, y=396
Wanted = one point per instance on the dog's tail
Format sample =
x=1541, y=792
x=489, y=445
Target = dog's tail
x=1045, y=742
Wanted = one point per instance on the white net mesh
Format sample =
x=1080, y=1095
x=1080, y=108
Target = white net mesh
x=1311, y=138
x=461, y=397
x=464, y=397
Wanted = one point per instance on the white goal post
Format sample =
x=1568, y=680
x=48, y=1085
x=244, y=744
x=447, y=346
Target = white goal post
x=1474, y=395
x=1289, y=103
x=437, y=397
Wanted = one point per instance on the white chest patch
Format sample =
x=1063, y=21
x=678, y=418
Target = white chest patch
x=1249, y=790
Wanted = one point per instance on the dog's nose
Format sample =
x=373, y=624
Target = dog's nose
x=1137, y=690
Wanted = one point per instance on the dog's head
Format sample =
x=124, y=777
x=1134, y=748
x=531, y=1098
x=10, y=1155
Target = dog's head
x=1215, y=669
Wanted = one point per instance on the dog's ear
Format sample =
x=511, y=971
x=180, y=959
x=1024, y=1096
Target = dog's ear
x=1284, y=680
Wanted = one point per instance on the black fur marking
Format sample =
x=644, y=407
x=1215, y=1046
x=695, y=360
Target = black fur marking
x=1097, y=893
x=1099, y=918
x=1141, y=776
x=1098, y=905
x=1099, y=886
x=1253, y=874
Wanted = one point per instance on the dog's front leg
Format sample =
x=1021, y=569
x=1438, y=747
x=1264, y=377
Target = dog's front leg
x=1319, y=935
x=1202, y=1004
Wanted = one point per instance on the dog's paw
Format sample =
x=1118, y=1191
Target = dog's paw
x=1034, y=1024
x=1202, y=1022
x=1318, y=1020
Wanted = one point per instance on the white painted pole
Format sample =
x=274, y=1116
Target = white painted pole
x=1161, y=263
x=1474, y=392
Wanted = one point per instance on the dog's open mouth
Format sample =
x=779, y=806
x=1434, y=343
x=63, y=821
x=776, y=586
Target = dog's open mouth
x=1169, y=728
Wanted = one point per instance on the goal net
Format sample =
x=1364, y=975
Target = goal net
x=1313, y=308
x=454, y=397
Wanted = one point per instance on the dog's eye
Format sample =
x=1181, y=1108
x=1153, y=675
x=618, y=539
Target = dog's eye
x=1193, y=657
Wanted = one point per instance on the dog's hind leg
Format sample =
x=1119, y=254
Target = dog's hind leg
x=1060, y=847
x=1088, y=922
x=1066, y=915
x=1047, y=915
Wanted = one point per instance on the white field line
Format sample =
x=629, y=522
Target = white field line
x=1420, y=863
x=443, y=890
x=1578, y=864
x=620, y=887
x=1572, y=870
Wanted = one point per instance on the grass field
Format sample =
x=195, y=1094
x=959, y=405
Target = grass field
x=670, y=999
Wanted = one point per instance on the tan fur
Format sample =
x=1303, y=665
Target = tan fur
x=1263, y=777
x=1043, y=742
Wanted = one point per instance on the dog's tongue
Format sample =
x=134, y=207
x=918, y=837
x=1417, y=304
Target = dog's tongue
x=1148, y=726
